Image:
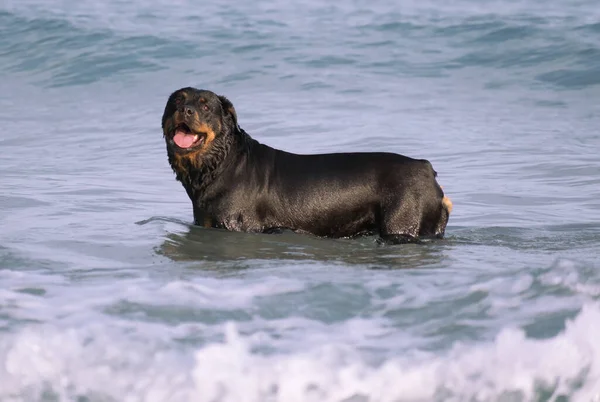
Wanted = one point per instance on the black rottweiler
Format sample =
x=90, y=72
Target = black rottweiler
x=239, y=184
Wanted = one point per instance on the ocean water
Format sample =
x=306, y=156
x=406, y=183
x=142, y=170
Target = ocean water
x=109, y=293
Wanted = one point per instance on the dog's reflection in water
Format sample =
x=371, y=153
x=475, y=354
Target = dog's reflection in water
x=236, y=249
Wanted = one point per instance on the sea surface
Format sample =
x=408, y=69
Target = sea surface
x=109, y=293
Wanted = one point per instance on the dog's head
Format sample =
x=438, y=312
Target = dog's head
x=195, y=121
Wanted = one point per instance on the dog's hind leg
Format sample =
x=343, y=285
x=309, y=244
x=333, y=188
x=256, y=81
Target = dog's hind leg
x=401, y=221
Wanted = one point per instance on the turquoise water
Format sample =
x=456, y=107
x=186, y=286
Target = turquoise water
x=108, y=293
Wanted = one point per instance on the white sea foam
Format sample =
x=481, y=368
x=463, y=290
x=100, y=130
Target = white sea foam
x=103, y=364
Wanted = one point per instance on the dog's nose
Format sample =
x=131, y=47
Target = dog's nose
x=188, y=111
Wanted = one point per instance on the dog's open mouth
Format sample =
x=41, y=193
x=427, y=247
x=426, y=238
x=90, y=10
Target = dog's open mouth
x=185, y=138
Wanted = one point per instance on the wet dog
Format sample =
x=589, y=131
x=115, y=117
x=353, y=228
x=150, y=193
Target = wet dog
x=239, y=184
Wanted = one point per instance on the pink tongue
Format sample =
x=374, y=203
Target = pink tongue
x=183, y=140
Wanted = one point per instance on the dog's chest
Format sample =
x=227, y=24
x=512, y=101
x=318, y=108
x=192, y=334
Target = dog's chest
x=242, y=222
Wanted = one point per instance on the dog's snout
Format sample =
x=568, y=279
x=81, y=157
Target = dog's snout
x=186, y=111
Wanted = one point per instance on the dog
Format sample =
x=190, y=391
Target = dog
x=240, y=184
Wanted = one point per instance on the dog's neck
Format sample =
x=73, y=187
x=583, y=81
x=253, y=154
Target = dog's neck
x=197, y=172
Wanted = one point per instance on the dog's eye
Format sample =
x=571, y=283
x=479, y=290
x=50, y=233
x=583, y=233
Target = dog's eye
x=178, y=101
x=205, y=108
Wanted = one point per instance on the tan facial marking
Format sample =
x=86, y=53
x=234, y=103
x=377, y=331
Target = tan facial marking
x=192, y=157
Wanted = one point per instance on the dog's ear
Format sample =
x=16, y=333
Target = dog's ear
x=228, y=109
